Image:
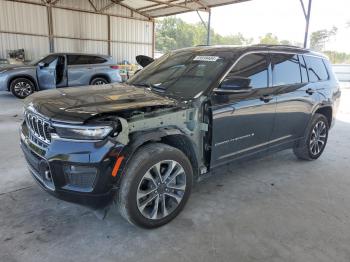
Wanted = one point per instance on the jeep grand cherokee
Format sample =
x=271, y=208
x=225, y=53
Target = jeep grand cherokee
x=142, y=144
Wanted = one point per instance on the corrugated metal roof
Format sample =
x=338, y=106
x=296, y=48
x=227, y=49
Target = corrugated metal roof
x=157, y=8
x=143, y=8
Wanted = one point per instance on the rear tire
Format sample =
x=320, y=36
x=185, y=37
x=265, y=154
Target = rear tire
x=316, y=136
x=99, y=81
x=22, y=87
x=148, y=198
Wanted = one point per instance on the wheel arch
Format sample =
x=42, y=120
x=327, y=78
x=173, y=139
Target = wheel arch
x=171, y=137
x=327, y=111
x=22, y=76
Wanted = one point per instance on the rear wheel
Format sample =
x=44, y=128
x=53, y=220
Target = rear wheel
x=22, y=87
x=315, y=140
x=99, y=81
x=156, y=186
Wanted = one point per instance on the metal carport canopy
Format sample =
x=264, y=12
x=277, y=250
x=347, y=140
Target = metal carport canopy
x=157, y=8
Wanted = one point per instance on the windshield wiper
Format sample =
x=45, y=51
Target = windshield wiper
x=157, y=88
x=152, y=87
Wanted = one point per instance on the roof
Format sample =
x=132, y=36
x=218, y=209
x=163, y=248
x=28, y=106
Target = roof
x=80, y=53
x=158, y=8
x=248, y=48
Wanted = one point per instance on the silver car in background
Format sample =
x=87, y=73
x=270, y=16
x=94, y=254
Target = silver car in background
x=58, y=70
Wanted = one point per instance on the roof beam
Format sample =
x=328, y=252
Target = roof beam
x=169, y=4
x=201, y=4
x=119, y=2
x=106, y=7
x=93, y=6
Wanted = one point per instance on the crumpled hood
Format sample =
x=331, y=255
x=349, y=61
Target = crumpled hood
x=77, y=104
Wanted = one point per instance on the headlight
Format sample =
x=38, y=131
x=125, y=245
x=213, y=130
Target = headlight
x=83, y=132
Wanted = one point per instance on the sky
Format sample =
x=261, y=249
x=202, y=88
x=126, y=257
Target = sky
x=283, y=18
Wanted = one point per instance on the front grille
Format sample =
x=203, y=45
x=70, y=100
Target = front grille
x=39, y=168
x=39, y=127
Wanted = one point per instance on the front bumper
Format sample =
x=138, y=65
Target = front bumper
x=78, y=172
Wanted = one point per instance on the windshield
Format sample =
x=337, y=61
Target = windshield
x=182, y=74
x=36, y=61
x=44, y=59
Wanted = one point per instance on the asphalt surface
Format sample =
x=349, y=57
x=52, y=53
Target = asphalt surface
x=272, y=209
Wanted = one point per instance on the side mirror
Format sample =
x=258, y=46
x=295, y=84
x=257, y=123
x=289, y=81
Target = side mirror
x=41, y=65
x=234, y=85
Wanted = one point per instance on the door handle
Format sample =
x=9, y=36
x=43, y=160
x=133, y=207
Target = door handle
x=266, y=98
x=310, y=91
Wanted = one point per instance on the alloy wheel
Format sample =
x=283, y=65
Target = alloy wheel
x=23, y=89
x=318, y=138
x=100, y=82
x=161, y=189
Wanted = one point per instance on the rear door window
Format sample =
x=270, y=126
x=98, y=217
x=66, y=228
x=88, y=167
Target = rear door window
x=316, y=69
x=253, y=67
x=85, y=60
x=286, y=69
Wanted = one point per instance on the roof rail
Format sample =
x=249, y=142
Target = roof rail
x=278, y=45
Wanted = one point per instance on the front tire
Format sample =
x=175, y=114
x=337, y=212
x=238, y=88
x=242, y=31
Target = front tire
x=22, y=87
x=155, y=186
x=315, y=139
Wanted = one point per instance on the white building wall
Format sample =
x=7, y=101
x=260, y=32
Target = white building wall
x=25, y=18
x=81, y=46
x=130, y=33
x=130, y=38
x=77, y=24
x=34, y=46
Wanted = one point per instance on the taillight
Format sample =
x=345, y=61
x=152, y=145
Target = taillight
x=115, y=67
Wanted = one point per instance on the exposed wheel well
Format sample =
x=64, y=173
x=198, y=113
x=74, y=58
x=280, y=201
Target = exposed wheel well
x=182, y=143
x=100, y=76
x=327, y=112
x=22, y=76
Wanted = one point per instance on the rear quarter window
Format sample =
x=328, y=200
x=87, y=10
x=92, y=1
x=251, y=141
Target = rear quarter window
x=97, y=60
x=316, y=69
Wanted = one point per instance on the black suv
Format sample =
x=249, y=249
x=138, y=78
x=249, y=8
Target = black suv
x=143, y=143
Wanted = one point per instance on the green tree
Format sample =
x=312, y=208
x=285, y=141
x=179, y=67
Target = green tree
x=173, y=33
x=285, y=42
x=319, y=38
x=269, y=39
x=338, y=57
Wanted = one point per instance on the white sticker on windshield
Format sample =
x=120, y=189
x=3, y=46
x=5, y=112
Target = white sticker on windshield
x=206, y=58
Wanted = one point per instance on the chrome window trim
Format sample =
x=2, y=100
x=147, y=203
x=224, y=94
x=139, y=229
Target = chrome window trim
x=267, y=52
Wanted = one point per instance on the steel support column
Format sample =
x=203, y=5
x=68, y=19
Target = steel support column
x=50, y=25
x=109, y=35
x=307, y=15
x=208, y=30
